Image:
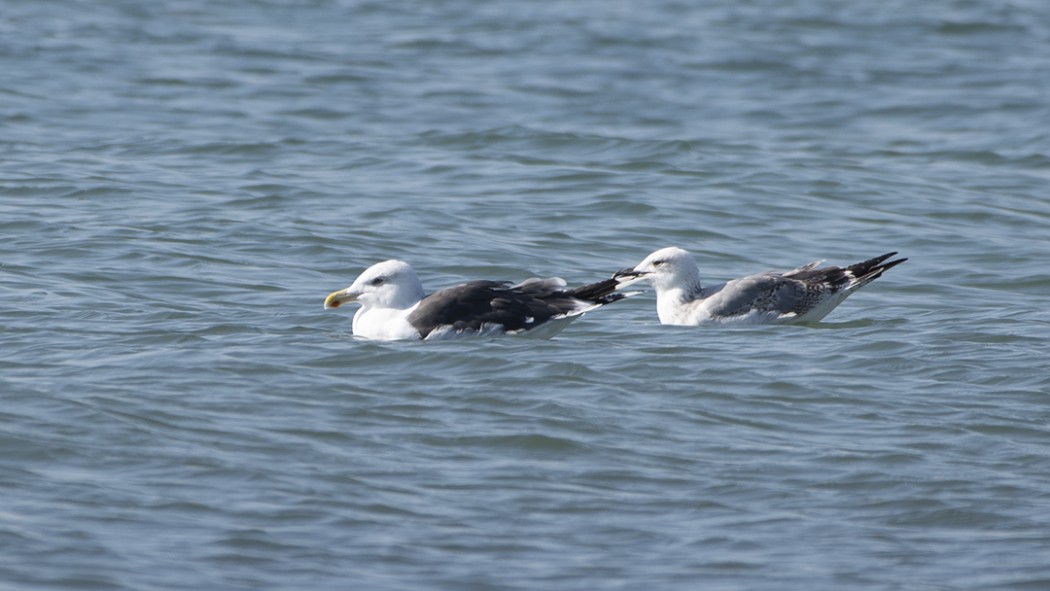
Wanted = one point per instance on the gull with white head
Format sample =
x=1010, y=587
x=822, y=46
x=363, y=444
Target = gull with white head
x=805, y=294
x=394, y=305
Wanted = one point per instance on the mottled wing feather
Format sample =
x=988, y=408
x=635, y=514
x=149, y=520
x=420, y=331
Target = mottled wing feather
x=833, y=278
x=765, y=293
x=795, y=292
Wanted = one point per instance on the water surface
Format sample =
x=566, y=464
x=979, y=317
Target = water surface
x=184, y=182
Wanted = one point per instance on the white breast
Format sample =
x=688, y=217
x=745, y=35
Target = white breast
x=385, y=324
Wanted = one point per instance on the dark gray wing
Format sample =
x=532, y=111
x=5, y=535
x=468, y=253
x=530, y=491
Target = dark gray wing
x=472, y=305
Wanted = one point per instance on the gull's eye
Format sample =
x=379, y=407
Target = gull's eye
x=659, y=263
x=378, y=281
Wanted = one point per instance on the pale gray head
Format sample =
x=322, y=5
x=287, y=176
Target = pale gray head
x=389, y=284
x=667, y=268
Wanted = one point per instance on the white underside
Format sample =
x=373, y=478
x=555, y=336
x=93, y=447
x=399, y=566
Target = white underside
x=447, y=332
x=697, y=313
x=388, y=324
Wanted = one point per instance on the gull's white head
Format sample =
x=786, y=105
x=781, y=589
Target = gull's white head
x=667, y=268
x=389, y=284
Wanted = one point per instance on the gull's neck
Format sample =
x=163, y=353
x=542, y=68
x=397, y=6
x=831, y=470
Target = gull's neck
x=673, y=300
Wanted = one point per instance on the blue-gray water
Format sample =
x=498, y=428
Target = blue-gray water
x=182, y=183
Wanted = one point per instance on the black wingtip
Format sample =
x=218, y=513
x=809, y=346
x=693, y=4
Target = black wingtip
x=872, y=269
x=596, y=292
x=892, y=264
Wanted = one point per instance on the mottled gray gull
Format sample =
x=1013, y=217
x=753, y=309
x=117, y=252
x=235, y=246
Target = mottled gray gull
x=805, y=294
x=394, y=305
